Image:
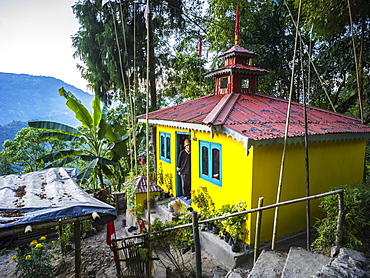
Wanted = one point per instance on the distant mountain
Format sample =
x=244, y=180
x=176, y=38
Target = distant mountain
x=26, y=98
x=8, y=131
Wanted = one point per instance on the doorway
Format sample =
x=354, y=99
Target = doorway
x=180, y=137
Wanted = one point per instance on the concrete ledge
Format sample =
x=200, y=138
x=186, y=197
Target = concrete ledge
x=221, y=250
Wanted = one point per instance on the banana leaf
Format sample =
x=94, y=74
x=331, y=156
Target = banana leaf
x=97, y=112
x=82, y=114
x=59, y=136
x=61, y=162
x=86, y=172
x=62, y=128
x=59, y=155
x=101, y=160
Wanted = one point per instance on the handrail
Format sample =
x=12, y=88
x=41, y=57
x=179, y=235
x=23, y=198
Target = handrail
x=339, y=191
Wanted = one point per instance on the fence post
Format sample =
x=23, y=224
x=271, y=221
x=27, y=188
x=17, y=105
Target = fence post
x=339, y=236
x=198, y=255
x=77, y=235
x=116, y=258
x=258, y=231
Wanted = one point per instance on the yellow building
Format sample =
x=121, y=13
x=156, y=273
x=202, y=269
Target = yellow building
x=237, y=140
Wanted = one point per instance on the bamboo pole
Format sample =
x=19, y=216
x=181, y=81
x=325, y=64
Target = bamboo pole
x=198, y=255
x=308, y=214
x=147, y=19
x=258, y=231
x=77, y=235
x=339, y=236
x=282, y=165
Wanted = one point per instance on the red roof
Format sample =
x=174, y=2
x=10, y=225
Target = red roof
x=236, y=68
x=237, y=50
x=141, y=185
x=258, y=116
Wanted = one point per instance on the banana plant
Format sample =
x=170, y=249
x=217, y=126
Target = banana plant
x=102, y=148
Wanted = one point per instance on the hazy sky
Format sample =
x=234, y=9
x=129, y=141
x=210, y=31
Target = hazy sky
x=35, y=38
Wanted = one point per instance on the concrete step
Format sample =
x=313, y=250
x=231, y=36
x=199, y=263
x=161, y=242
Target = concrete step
x=303, y=263
x=270, y=264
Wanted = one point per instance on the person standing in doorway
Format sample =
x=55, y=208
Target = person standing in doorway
x=183, y=169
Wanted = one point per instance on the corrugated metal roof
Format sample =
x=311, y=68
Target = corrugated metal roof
x=236, y=68
x=141, y=185
x=258, y=116
x=237, y=50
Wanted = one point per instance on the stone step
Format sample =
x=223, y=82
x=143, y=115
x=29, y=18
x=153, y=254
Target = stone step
x=270, y=264
x=303, y=263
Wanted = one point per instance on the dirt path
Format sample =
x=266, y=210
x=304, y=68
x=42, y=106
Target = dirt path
x=97, y=259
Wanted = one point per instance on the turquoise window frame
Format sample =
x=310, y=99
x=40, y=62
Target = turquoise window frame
x=207, y=156
x=165, y=147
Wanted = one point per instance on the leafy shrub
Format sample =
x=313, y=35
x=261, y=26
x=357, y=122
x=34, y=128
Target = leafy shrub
x=356, y=219
x=34, y=261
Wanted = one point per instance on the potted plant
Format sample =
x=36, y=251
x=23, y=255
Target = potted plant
x=234, y=224
x=203, y=204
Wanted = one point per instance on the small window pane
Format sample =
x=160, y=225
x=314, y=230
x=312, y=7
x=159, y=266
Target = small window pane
x=168, y=141
x=162, y=146
x=244, y=83
x=223, y=83
x=216, y=164
x=204, y=161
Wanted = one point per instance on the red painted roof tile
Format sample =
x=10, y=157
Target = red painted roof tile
x=141, y=185
x=259, y=116
x=236, y=49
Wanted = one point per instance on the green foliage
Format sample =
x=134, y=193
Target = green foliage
x=356, y=219
x=96, y=142
x=203, y=201
x=34, y=261
x=131, y=195
x=233, y=225
x=168, y=245
x=21, y=154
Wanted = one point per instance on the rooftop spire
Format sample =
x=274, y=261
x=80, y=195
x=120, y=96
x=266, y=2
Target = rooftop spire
x=236, y=33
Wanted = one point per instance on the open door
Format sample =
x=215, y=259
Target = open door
x=180, y=137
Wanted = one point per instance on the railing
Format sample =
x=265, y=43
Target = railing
x=195, y=223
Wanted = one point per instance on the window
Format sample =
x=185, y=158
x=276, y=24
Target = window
x=165, y=146
x=223, y=83
x=210, y=162
x=244, y=83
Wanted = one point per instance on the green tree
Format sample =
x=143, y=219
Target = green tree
x=20, y=155
x=101, y=146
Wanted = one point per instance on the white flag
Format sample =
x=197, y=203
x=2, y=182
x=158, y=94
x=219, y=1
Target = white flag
x=103, y=2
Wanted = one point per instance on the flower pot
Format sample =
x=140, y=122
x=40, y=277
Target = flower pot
x=215, y=230
x=227, y=237
x=235, y=247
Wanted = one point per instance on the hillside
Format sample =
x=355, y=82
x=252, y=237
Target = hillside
x=25, y=98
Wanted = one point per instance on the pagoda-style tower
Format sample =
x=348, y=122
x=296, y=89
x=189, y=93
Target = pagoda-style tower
x=238, y=75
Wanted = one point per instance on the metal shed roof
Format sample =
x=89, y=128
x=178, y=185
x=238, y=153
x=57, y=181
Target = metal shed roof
x=46, y=195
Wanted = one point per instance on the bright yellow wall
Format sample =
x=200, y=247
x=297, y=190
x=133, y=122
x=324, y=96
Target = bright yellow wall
x=236, y=170
x=331, y=164
x=141, y=199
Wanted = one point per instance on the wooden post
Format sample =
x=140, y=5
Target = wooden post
x=198, y=256
x=77, y=235
x=258, y=231
x=62, y=245
x=116, y=259
x=339, y=236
